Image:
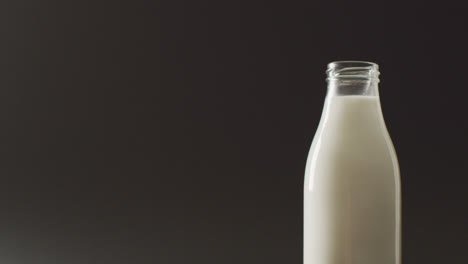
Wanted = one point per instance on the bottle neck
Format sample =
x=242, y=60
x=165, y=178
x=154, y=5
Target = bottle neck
x=352, y=105
x=356, y=87
x=358, y=78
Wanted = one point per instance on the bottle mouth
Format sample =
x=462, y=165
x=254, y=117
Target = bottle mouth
x=353, y=70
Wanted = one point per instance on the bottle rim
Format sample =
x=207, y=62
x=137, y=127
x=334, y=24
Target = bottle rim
x=364, y=70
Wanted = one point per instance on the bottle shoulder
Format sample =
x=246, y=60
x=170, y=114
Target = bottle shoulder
x=344, y=154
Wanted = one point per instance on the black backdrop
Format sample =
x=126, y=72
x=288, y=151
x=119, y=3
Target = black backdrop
x=177, y=131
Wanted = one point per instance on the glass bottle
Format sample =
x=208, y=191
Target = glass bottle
x=352, y=181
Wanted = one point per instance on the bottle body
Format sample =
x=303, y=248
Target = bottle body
x=352, y=185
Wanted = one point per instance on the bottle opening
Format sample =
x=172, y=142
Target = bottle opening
x=353, y=70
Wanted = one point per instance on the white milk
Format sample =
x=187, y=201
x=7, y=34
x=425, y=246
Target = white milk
x=352, y=187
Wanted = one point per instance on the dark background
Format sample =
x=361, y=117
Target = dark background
x=177, y=131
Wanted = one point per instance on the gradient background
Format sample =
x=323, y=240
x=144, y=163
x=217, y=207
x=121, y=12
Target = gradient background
x=177, y=131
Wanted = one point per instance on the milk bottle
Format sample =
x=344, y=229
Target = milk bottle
x=352, y=181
